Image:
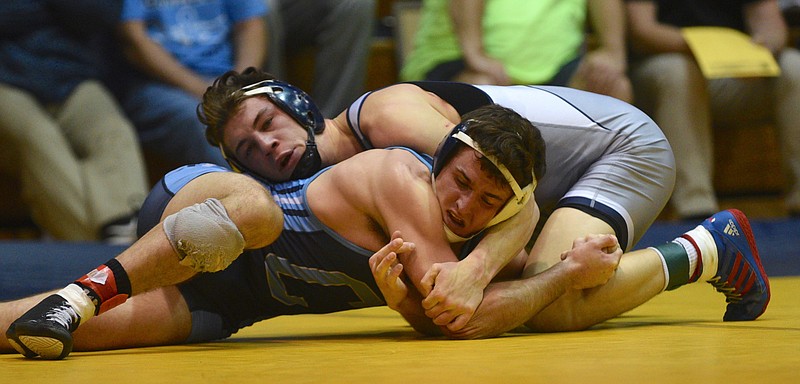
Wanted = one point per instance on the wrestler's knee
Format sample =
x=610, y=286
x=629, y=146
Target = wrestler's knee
x=253, y=210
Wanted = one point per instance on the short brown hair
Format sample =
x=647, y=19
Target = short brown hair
x=221, y=100
x=510, y=138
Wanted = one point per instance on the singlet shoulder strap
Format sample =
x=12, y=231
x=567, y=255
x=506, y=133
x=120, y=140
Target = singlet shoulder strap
x=462, y=96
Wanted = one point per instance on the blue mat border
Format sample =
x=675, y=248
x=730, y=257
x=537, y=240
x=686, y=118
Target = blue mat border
x=30, y=267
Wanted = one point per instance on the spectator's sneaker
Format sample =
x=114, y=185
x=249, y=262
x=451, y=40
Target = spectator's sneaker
x=121, y=231
x=45, y=330
x=740, y=275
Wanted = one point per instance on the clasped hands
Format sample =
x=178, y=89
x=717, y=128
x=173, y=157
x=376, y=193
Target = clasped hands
x=450, y=293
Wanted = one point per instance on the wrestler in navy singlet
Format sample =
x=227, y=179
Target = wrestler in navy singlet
x=308, y=269
x=604, y=156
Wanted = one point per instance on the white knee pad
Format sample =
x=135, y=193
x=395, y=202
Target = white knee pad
x=204, y=236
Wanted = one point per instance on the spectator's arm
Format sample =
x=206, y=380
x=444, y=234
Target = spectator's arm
x=151, y=58
x=607, y=18
x=603, y=69
x=647, y=35
x=467, y=16
x=249, y=43
x=766, y=25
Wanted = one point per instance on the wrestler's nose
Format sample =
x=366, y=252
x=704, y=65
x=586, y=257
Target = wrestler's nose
x=268, y=144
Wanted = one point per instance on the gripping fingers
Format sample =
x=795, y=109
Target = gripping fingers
x=458, y=323
x=608, y=243
x=377, y=257
x=435, y=311
x=427, y=283
x=387, y=264
x=392, y=267
x=445, y=318
x=397, y=244
x=405, y=247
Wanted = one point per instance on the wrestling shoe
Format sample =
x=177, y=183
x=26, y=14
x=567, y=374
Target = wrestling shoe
x=740, y=275
x=45, y=330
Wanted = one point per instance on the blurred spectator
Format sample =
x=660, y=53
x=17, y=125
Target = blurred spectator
x=79, y=163
x=340, y=31
x=669, y=86
x=507, y=42
x=177, y=48
x=791, y=11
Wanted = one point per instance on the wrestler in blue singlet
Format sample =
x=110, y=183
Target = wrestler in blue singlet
x=308, y=269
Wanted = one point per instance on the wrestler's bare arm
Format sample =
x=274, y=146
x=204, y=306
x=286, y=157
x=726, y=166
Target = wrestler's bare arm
x=376, y=193
x=406, y=115
x=388, y=274
x=393, y=193
x=416, y=214
x=590, y=263
x=495, y=251
x=506, y=305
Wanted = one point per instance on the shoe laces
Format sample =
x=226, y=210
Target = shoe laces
x=722, y=286
x=64, y=315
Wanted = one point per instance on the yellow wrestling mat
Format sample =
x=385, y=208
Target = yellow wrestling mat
x=678, y=337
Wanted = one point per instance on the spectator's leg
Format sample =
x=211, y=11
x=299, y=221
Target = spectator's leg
x=673, y=91
x=276, y=39
x=341, y=30
x=111, y=161
x=787, y=110
x=52, y=184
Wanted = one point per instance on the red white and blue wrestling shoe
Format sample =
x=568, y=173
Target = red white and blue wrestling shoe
x=740, y=275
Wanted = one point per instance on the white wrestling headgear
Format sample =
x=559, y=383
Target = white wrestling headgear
x=447, y=148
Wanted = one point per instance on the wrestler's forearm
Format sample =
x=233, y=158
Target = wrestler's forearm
x=502, y=243
x=411, y=310
x=510, y=304
x=421, y=323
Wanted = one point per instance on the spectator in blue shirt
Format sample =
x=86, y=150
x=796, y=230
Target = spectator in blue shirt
x=175, y=50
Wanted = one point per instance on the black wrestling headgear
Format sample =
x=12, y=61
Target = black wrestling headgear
x=297, y=104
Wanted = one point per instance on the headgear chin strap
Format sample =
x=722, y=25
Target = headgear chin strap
x=302, y=109
x=447, y=148
x=307, y=166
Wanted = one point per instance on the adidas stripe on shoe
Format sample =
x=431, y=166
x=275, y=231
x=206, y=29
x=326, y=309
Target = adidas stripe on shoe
x=740, y=275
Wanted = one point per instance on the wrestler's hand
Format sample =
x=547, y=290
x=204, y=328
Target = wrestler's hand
x=451, y=293
x=492, y=318
x=592, y=260
x=387, y=271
